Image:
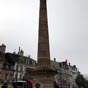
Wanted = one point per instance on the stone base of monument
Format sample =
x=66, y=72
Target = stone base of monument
x=43, y=78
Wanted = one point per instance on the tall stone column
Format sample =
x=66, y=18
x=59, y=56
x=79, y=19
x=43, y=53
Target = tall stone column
x=43, y=40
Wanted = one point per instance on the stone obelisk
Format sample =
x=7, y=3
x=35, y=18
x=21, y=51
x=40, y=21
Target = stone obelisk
x=43, y=76
x=43, y=41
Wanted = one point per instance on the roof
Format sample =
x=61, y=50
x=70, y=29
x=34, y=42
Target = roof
x=11, y=58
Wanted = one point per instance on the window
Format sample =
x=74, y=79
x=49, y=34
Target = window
x=7, y=66
x=20, y=76
x=11, y=75
x=0, y=65
x=6, y=76
x=21, y=68
x=12, y=68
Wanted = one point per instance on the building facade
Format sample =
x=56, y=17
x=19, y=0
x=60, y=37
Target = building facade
x=66, y=74
x=73, y=72
x=13, y=66
x=6, y=66
x=21, y=65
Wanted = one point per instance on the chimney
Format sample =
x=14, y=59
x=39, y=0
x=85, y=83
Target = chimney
x=2, y=48
x=54, y=59
x=21, y=52
x=66, y=61
x=69, y=64
x=14, y=52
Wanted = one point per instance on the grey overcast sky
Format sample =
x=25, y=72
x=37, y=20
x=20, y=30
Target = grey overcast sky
x=68, y=28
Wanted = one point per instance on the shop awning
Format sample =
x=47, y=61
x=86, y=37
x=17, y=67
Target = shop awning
x=30, y=80
x=64, y=85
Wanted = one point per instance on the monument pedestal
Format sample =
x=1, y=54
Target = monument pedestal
x=43, y=78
